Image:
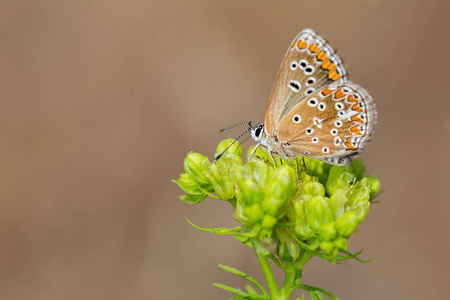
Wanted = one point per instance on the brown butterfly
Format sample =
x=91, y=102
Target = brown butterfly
x=313, y=110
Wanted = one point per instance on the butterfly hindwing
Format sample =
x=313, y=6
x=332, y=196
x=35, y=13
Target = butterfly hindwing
x=334, y=122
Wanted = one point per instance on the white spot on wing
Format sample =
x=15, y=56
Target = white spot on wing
x=318, y=122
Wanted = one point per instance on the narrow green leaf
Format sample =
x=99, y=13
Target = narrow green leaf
x=353, y=256
x=376, y=196
x=275, y=260
x=245, y=276
x=219, y=231
x=250, y=297
x=230, y=289
x=318, y=295
x=250, y=289
x=313, y=288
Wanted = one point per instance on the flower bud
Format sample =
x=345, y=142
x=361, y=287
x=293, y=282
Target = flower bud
x=339, y=178
x=372, y=183
x=337, y=202
x=219, y=176
x=329, y=248
x=234, y=149
x=194, y=199
x=288, y=247
x=328, y=232
x=188, y=184
x=268, y=221
x=302, y=230
x=193, y=192
x=319, y=212
x=254, y=213
x=347, y=224
x=282, y=183
x=196, y=165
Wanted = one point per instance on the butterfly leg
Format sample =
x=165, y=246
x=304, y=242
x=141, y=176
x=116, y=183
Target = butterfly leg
x=304, y=166
x=253, y=153
x=297, y=172
x=273, y=159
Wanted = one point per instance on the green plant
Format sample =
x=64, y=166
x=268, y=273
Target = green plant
x=298, y=222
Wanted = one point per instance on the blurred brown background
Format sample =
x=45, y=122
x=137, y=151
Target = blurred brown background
x=101, y=101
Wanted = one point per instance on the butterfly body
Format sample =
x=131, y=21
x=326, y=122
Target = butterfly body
x=313, y=110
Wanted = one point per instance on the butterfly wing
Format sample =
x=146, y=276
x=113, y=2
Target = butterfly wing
x=334, y=124
x=309, y=64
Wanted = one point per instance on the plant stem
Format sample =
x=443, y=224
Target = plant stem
x=288, y=286
x=265, y=267
x=293, y=274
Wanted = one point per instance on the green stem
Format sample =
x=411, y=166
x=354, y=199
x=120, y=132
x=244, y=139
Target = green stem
x=294, y=274
x=289, y=281
x=265, y=267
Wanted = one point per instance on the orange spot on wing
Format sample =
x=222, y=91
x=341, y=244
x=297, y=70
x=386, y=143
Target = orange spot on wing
x=355, y=118
x=351, y=99
x=333, y=75
x=339, y=94
x=349, y=145
x=326, y=91
x=326, y=63
x=321, y=56
x=356, y=107
x=336, y=77
x=355, y=130
x=313, y=48
x=301, y=44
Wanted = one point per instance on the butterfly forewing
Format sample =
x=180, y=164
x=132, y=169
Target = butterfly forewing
x=309, y=64
x=333, y=124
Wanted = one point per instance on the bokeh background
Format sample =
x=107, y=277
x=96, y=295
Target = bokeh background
x=101, y=101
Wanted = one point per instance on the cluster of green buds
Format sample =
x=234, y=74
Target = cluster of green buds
x=315, y=217
x=322, y=212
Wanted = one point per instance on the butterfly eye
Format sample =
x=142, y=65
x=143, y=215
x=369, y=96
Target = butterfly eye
x=303, y=63
x=339, y=106
x=325, y=149
x=337, y=141
x=322, y=106
x=312, y=102
x=309, y=70
x=338, y=123
x=297, y=119
x=309, y=91
x=315, y=140
x=310, y=81
x=334, y=131
x=258, y=132
x=309, y=131
x=294, y=65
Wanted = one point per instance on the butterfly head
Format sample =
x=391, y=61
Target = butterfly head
x=257, y=133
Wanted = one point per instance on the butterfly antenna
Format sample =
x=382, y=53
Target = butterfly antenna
x=245, y=122
x=223, y=152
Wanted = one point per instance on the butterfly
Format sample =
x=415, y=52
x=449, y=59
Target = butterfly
x=314, y=110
